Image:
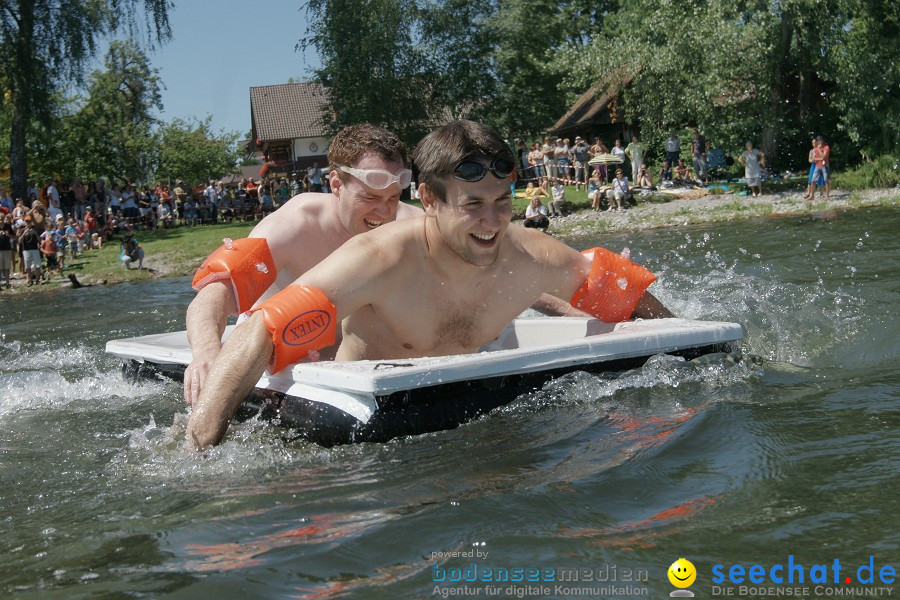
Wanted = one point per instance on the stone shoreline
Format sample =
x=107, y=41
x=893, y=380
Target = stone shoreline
x=715, y=208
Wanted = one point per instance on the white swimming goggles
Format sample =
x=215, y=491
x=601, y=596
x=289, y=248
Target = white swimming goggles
x=379, y=178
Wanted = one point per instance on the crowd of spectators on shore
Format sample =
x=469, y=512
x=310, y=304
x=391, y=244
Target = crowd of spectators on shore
x=548, y=168
x=58, y=221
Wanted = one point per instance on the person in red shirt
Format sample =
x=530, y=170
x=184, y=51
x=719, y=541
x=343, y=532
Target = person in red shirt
x=822, y=161
x=90, y=223
x=49, y=249
x=162, y=190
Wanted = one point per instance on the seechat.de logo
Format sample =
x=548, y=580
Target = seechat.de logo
x=682, y=574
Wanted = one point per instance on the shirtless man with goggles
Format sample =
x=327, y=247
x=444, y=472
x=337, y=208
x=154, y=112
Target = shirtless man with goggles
x=444, y=283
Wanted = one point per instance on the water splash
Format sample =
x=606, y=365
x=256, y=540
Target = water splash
x=163, y=454
x=46, y=389
x=47, y=356
x=787, y=319
x=661, y=371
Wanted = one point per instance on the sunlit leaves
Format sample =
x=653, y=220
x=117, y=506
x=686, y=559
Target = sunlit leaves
x=46, y=43
x=772, y=72
x=192, y=151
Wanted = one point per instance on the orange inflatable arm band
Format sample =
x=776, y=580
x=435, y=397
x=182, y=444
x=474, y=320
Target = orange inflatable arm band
x=613, y=287
x=246, y=262
x=300, y=319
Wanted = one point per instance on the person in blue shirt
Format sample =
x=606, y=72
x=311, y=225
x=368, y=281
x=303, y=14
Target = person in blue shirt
x=131, y=251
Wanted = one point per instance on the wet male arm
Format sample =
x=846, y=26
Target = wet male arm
x=236, y=370
x=351, y=277
x=206, y=318
x=208, y=312
x=570, y=268
x=649, y=307
x=556, y=307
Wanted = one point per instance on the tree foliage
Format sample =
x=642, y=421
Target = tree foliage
x=864, y=65
x=771, y=72
x=46, y=43
x=191, y=151
x=456, y=41
x=527, y=34
x=374, y=70
x=420, y=63
x=774, y=71
x=534, y=84
x=111, y=132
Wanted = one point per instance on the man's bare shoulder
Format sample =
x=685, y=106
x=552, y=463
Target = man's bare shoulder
x=303, y=210
x=398, y=233
x=536, y=247
x=305, y=217
x=395, y=243
x=384, y=255
x=529, y=241
x=408, y=211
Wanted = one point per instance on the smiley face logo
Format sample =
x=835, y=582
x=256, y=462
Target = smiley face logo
x=682, y=573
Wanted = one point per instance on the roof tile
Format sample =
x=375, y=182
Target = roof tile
x=288, y=110
x=589, y=104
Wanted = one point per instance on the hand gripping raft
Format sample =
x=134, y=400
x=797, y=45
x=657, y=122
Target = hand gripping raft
x=301, y=319
x=613, y=287
x=246, y=262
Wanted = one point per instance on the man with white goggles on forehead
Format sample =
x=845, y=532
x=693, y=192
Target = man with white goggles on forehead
x=370, y=168
x=442, y=284
x=379, y=179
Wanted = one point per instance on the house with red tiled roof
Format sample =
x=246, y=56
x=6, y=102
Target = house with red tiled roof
x=287, y=128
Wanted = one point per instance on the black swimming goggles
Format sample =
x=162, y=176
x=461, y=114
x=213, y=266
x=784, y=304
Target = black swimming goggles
x=472, y=170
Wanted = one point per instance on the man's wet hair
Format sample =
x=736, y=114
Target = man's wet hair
x=355, y=141
x=438, y=154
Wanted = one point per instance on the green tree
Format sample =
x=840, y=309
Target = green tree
x=42, y=135
x=771, y=72
x=45, y=43
x=111, y=132
x=668, y=76
x=535, y=84
x=527, y=34
x=423, y=62
x=456, y=41
x=371, y=64
x=865, y=67
x=191, y=151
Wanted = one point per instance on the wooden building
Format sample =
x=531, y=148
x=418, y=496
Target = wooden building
x=595, y=114
x=287, y=129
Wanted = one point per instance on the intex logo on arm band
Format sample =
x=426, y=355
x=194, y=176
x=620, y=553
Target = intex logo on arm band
x=306, y=327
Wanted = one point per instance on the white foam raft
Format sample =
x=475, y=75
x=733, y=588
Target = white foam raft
x=376, y=400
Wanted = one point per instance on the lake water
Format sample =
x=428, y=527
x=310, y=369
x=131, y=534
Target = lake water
x=793, y=450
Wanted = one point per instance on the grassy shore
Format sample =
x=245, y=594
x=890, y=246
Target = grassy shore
x=167, y=253
x=179, y=251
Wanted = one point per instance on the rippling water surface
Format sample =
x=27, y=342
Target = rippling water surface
x=793, y=450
